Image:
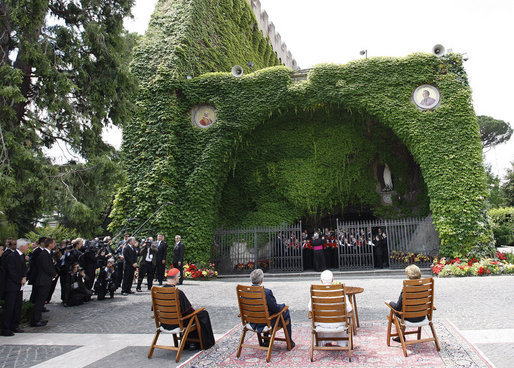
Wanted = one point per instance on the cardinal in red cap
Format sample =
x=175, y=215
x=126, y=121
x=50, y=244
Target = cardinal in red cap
x=186, y=308
x=173, y=272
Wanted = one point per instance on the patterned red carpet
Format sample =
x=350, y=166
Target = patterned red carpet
x=370, y=351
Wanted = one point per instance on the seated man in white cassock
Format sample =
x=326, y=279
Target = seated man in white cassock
x=327, y=278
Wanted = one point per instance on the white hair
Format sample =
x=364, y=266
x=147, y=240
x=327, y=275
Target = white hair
x=21, y=242
x=327, y=277
x=315, y=236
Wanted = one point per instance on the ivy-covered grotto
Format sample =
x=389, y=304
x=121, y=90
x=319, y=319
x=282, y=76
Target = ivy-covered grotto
x=381, y=137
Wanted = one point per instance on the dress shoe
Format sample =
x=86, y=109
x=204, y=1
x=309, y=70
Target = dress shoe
x=192, y=346
x=38, y=324
x=18, y=330
x=7, y=333
x=264, y=343
x=124, y=293
x=139, y=289
x=130, y=292
x=45, y=310
x=397, y=339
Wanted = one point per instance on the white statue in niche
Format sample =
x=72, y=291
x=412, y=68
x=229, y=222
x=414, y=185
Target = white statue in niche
x=388, y=181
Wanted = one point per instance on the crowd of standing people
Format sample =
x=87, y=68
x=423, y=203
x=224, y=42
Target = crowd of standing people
x=84, y=268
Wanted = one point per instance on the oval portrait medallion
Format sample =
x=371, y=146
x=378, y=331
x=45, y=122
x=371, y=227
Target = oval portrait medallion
x=203, y=116
x=426, y=97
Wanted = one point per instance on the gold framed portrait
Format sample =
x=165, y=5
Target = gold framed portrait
x=203, y=116
x=426, y=97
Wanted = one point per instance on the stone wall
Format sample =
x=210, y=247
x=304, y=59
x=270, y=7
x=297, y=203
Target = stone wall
x=268, y=29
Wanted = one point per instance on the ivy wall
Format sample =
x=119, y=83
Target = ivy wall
x=243, y=168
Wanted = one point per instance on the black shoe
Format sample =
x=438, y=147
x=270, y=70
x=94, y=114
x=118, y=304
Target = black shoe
x=139, y=289
x=18, y=330
x=124, y=293
x=45, y=310
x=38, y=324
x=192, y=346
x=7, y=333
x=264, y=343
x=397, y=339
x=130, y=292
x=65, y=305
x=111, y=296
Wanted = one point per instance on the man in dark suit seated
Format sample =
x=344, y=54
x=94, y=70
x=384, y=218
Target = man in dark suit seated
x=14, y=268
x=256, y=277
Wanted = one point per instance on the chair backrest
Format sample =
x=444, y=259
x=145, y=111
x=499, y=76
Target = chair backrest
x=253, y=307
x=328, y=304
x=166, y=306
x=418, y=298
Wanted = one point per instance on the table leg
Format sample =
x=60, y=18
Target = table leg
x=355, y=309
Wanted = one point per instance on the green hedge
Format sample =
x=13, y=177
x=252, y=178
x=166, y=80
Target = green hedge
x=167, y=159
x=502, y=220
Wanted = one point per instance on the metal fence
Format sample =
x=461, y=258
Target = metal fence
x=399, y=243
x=353, y=247
x=276, y=248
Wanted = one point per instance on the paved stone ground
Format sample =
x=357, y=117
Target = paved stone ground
x=27, y=355
x=118, y=332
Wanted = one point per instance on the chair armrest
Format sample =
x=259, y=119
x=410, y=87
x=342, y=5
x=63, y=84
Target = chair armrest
x=194, y=313
x=392, y=309
x=279, y=313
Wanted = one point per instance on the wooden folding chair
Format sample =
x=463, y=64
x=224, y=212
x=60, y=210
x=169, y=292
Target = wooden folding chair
x=166, y=310
x=329, y=306
x=417, y=301
x=253, y=308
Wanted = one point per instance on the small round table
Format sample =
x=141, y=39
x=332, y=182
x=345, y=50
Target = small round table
x=351, y=291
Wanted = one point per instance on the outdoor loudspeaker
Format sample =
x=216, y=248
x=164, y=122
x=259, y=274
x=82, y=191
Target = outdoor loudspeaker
x=237, y=71
x=438, y=50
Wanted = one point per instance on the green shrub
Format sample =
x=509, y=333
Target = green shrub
x=58, y=233
x=502, y=225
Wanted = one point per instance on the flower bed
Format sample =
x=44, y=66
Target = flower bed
x=409, y=258
x=502, y=264
x=200, y=272
x=262, y=264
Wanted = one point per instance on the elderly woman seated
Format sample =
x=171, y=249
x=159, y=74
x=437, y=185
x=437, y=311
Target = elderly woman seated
x=413, y=273
x=327, y=278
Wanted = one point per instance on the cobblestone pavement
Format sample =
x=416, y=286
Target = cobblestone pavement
x=16, y=356
x=473, y=305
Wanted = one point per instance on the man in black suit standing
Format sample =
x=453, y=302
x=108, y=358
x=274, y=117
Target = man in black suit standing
x=162, y=251
x=129, y=266
x=178, y=257
x=15, y=270
x=32, y=271
x=45, y=273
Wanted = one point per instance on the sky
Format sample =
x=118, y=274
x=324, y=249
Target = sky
x=335, y=31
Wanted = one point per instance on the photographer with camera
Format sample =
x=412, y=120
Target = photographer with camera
x=79, y=294
x=147, y=264
x=88, y=263
x=106, y=282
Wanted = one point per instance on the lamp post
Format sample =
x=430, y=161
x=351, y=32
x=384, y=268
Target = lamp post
x=364, y=52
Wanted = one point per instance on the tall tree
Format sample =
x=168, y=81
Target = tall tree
x=508, y=186
x=63, y=77
x=493, y=131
